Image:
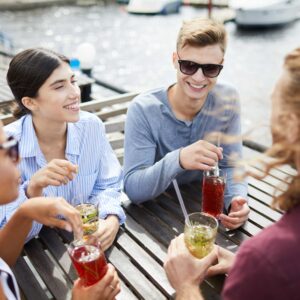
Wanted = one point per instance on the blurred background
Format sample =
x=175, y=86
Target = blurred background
x=133, y=51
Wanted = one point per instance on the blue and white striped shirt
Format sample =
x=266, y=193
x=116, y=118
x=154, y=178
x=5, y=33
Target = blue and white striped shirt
x=99, y=178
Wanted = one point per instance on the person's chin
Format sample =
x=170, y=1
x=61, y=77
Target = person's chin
x=73, y=118
x=197, y=94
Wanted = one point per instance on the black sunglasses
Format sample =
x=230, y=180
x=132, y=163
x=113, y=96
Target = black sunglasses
x=188, y=67
x=11, y=146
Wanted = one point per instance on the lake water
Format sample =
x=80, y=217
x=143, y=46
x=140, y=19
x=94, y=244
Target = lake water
x=135, y=52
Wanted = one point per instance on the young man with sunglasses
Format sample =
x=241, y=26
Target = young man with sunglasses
x=168, y=130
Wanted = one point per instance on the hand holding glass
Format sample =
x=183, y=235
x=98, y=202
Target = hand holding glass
x=88, y=259
x=200, y=233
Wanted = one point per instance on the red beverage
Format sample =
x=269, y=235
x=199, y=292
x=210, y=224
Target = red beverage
x=213, y=195
x=89, y=262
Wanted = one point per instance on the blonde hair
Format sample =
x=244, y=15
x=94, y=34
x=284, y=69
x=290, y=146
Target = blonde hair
x=283, y=151
x=201, y=32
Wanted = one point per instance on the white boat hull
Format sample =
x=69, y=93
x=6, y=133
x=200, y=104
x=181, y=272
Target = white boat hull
x=153, y=7
x=276, y=14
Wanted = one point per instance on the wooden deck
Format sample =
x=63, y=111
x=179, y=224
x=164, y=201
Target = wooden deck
x=44, y=271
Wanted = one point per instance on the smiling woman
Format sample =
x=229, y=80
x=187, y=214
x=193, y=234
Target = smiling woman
x=64, y=151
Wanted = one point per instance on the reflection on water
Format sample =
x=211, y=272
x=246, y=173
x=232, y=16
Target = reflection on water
x=135, y=52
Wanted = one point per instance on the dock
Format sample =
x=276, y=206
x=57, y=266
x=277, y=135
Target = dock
x=31, y=4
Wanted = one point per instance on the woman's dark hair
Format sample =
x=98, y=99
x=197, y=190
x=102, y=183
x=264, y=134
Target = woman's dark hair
x=28, y=71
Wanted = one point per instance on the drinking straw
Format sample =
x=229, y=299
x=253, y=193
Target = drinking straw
x=216, y=168
x=181, y=201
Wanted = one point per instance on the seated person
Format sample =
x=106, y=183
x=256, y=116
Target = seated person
x=166, y=128
x=267, y=266
x=64, y=151
x=43, y=210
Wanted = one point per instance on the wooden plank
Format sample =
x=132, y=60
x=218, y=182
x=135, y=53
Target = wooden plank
x=259, y=220
x=260, y=207
x=145, y=263
x=145, y=239
x=262, y=186
x=280, y=171
x=112, y=113
x=150, y=222
x=55, y=282
x=164, y=216
x=259, y=195
x=133, y=278
x=115, y=125
x=96, y=105
x=59, y=251
x=125, y=293
x=117, y=143
x=6, y=119
x=269, y=179
x=27, y=281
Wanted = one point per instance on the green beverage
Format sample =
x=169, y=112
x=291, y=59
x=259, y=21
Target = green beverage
x=89, y=216
x=200, y=233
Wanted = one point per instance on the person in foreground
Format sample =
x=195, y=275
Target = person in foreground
x=267, y=266
x=64, y=151
x=167, y=129
x=44, y=211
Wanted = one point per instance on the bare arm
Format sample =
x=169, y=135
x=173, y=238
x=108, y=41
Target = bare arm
x=2, y=296
x=44, y=211
x=189, y=292
x=13, y=236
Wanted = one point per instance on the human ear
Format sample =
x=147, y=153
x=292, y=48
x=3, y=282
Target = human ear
x=174, y=59
x=29, y=103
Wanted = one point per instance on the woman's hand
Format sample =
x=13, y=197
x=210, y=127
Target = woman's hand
x=46, y=210
x=56, y=173
x=105, y=289
x=107, y=231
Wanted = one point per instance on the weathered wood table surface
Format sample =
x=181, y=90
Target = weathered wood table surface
x=140, y=248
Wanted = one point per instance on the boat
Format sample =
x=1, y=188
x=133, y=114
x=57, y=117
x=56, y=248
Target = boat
x=152, y=7
x=265, y=12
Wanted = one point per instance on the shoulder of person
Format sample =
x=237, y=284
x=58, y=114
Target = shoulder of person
x=226, y=91
x=15, y=128
x=89, y=120
x=274, y=242
x=148, y=101
x=87, y=117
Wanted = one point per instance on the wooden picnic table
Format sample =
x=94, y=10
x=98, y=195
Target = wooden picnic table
x=140, y=247
x=44, y=270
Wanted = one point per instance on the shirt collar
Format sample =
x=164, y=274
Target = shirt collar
x=73, y=139
x=166, y=108
x=33, y=149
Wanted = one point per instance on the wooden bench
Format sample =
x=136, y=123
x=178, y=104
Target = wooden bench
x=44, y=271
